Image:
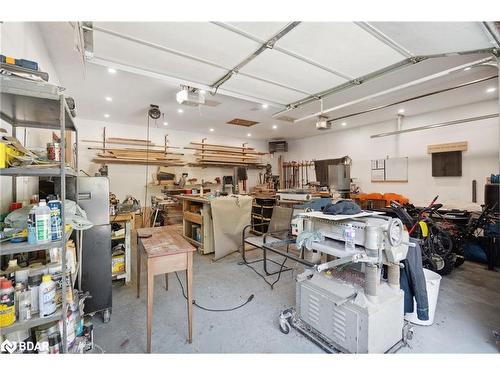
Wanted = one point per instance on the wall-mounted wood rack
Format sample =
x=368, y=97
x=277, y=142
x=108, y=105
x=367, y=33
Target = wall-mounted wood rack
x=215, y=155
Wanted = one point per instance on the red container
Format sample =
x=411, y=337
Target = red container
x=15, y=206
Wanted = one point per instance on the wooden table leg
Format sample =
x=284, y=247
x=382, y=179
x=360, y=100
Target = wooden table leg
x=138, y=271
x=166, y=281
x=189, y=286
x=150, y=304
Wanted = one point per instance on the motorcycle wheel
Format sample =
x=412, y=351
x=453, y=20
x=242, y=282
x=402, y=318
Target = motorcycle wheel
x=449, y=265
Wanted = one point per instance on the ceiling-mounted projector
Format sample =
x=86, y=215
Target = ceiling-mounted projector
x=190, y=97
x=323, y=123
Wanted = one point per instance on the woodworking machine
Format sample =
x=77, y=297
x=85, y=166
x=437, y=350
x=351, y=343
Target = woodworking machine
x=345, y=304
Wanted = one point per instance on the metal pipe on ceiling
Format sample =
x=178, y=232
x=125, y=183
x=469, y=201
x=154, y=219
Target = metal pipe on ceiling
x=374, y=75
x=476, y=81
x=394, y=89
x=283, y=50
x=177, y=80
x=434, y=126
x=269, y=44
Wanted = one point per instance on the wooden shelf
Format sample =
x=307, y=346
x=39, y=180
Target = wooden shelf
x=193, y=218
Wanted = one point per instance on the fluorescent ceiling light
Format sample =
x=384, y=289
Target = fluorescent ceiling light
x=112, y=70
x=108, y=98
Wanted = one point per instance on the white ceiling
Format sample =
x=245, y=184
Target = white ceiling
x=153, y=59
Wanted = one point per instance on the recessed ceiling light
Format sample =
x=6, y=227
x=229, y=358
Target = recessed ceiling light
x=108, y=98
x=265, y=105
x=165, y=123
x=468, y=68
x=112, y=70
x=180, y=110
x=491, y=89
x=401, y=111
x=212, y=129
x=249, y=134
x=275, y=126
x=106, y=115
x=344, y=124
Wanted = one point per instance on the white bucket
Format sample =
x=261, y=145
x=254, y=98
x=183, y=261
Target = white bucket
x=432, y=281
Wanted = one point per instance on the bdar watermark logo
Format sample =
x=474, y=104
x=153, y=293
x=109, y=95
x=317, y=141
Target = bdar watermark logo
x=8, y=347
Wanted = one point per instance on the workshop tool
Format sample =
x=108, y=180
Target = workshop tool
x=342, y=305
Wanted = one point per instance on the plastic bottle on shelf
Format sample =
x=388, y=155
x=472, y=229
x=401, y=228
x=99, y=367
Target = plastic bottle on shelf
x=55, y=219
x=350, y=238
x=42, y=219
x=47, y=297
x=7, y=303
x=32, y=227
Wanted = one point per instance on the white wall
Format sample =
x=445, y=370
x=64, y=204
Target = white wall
x=131, y=179
x=481, y=159
x=24, y=40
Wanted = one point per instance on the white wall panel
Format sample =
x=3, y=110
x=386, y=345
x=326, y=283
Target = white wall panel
x=341, y=46
x=425, y=38
x=259, y=89
x=262, y=30
x=200, y=39
x=135, y=54
x=279, y=67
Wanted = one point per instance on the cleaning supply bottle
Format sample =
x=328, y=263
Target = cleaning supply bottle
x=7, y=303
x=32, y=227
x=55, y=219
x=42, y=219
x=47, y=297
x=350, y=238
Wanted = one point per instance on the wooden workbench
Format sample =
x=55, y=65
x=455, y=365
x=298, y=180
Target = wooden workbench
x=165, y=251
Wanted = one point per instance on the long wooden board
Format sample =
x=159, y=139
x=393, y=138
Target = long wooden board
x=223, y=146
x=136, y=150
x=241, y=157
x=136, y=161
x=212, y=149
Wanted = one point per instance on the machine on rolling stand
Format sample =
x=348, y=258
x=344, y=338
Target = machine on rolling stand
x=344, y=305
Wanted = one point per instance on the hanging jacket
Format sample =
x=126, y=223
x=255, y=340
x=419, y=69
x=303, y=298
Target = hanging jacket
x=412, y=282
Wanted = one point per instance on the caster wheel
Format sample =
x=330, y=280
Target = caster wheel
x=285, y=327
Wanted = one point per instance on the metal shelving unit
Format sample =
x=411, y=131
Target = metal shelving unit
x=34, y=104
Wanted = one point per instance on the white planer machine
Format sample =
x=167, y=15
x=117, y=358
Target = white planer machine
x=343, y=304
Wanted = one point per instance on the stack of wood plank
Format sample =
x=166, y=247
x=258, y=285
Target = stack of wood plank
x=219, y=155
x=149, y=153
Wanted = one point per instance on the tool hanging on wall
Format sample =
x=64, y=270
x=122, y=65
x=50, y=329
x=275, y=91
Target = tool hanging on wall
x=296, y=174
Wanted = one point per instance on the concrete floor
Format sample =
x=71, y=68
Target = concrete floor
x=467, y=312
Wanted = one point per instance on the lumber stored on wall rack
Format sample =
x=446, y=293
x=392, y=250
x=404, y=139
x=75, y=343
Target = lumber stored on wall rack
x=215, y=155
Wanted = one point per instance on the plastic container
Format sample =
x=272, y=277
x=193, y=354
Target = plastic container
x=55, y=219
x=34, y=281
x=42, y=219
x=432, y=281
x=47, y=297
x=32, y=227
x=350, y=237
x=7, y=303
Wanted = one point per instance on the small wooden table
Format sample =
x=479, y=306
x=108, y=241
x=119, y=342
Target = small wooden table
x=166, y=251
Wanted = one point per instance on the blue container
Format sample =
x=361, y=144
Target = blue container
x=55, y=219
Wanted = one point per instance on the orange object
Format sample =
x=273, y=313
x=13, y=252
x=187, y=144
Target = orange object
x=370, y=196
x=401, y=199
x=10, y=60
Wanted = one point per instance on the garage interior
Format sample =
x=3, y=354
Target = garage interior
x=250, y=187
